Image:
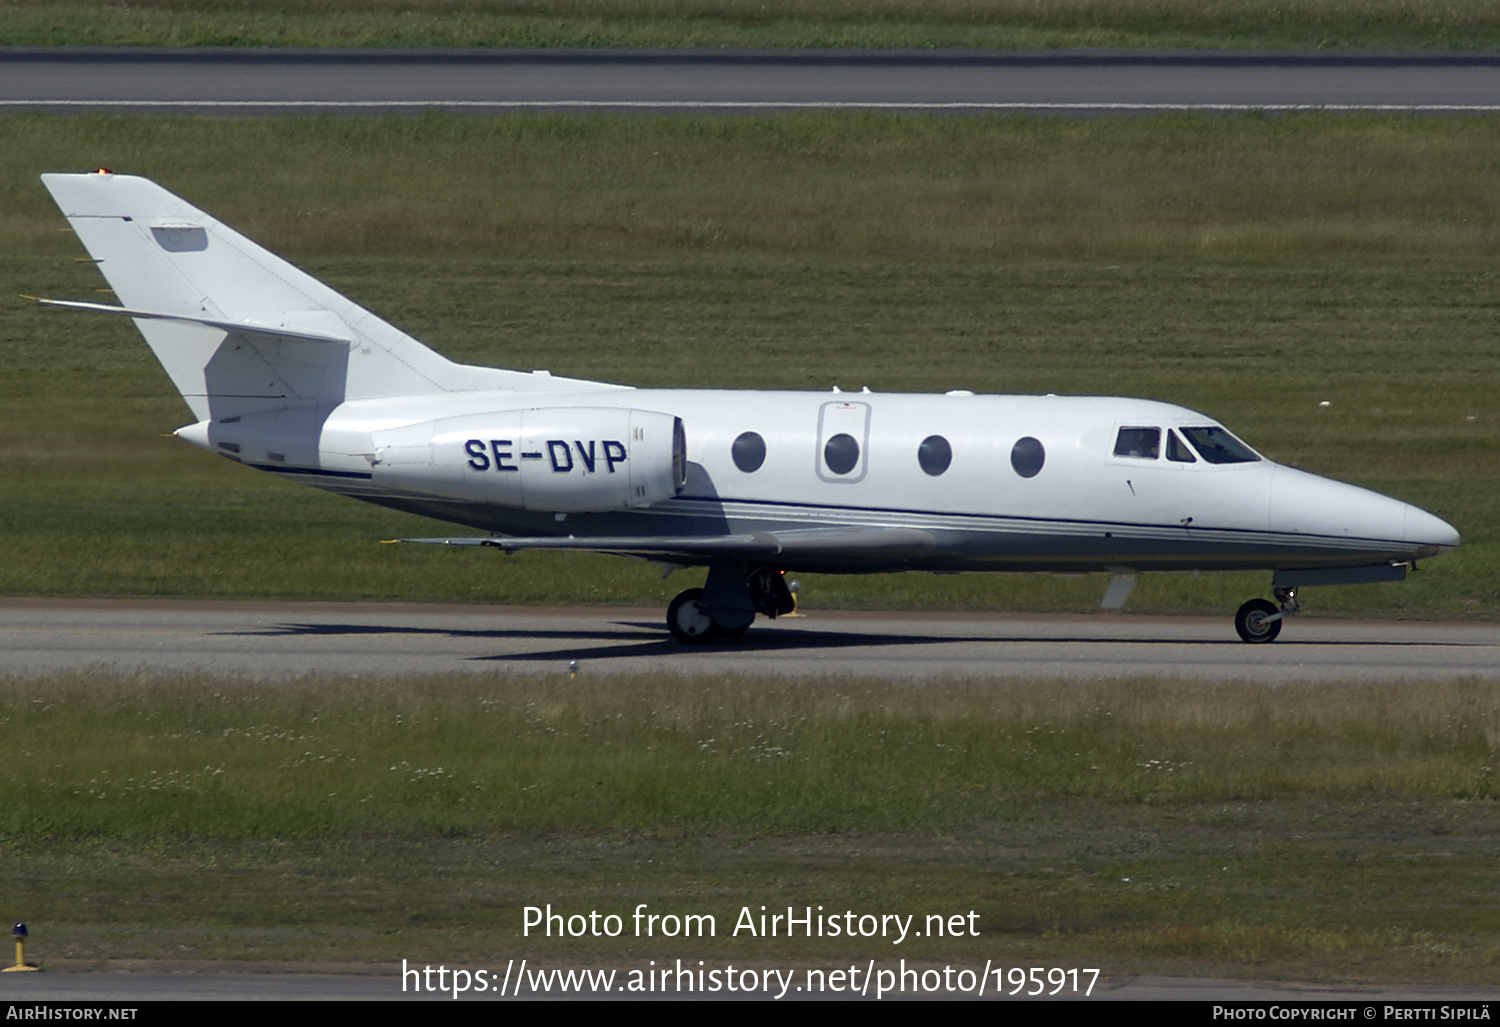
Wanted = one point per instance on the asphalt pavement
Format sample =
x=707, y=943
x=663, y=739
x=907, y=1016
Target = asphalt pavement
x=273, y=641
x=1079, y=82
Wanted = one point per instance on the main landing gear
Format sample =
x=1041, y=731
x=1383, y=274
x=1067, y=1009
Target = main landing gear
x=727, y=603
x=1260, y=621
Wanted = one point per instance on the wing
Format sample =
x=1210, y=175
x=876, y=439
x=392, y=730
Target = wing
x=874, y=545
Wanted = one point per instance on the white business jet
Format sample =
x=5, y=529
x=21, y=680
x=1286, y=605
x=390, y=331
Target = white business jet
x=287, y=376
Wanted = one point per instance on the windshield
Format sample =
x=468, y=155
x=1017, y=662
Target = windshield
x=1217, y=446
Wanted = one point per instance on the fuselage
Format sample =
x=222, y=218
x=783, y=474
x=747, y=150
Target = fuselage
x=996, y=483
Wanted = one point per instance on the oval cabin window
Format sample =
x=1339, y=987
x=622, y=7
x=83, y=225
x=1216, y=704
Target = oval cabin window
x=841, y=454
x=934, y=454
x=1027, y=457
x=748, y=452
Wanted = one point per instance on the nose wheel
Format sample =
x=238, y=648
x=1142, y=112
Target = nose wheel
x=1259, y=620
x=1253, y=622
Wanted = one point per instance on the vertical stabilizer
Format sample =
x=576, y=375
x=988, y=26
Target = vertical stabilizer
x=161, y=254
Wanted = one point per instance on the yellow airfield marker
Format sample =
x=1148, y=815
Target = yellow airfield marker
x=19, y=931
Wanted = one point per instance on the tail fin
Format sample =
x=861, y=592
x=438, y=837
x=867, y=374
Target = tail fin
x=191, y=282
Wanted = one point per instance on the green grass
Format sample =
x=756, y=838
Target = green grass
x=1367, y=890
x=1336, y=832
x=175, y=759
x=920, y=24
x=1303, y=188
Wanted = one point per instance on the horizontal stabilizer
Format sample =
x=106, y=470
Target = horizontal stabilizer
x=875, y=543
x=242, y=327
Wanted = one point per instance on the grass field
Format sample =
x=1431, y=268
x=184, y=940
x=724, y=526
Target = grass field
x=1339, y=832
x=1249, y=268
x=921, y=24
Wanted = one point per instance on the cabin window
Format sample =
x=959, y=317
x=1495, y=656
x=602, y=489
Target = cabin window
x=1217, y=446
x=1142, y=443
x=841, y=454
x=748, y=452
x=1177, y=450
x=1027, y=457
x=934, y=454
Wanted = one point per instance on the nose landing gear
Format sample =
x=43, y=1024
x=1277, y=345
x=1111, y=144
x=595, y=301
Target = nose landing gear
x=1260, y=621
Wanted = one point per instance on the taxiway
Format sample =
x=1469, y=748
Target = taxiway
x=284, y=640
x=1077, y=82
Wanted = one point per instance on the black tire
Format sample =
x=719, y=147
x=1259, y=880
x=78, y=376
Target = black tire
x=686, y=620
x=1250, y=621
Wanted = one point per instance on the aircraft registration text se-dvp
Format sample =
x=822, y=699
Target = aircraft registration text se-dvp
x=557, y=452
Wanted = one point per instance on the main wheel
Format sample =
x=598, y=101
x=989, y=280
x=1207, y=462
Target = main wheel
x=687, y=620
x=1252, y=624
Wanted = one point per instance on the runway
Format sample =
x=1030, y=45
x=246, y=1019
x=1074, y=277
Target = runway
x=278, y=641
x=1077, y=82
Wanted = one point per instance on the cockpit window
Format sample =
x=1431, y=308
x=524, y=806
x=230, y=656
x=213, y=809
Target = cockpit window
x=1177, y=451
x=1217, y=446
x=1144, y=443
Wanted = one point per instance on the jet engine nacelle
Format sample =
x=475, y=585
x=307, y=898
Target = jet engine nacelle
x=548, y=459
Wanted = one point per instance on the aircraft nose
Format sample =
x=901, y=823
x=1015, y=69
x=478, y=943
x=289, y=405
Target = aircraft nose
x=1427, y=530
x=1308, y=504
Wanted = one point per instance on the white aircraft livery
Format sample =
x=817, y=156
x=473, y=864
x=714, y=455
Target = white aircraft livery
x=285, y=375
